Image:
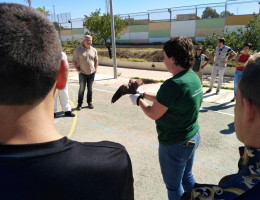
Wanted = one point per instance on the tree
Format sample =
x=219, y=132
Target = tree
x=43, y=11
x=222, y=14
x=236, y=39
x=209, y=13
x=57, y=26
x=100, y=28
x=251, y=35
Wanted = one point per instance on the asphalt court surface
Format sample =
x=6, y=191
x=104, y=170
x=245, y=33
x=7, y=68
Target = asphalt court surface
x=125, y=123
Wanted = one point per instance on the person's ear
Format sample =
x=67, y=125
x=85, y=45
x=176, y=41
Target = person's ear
x=62, y=75
x=251, y=110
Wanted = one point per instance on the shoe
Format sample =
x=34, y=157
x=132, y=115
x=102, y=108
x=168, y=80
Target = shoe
x=90, y=105
x=69, y=114
x=232, y=100
x=208, y=91
x=55, y=115
x=79, y=107
x=217, y=92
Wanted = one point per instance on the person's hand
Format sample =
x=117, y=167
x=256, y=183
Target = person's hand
x=135, y=98
x=202, y=66
x=226, y=62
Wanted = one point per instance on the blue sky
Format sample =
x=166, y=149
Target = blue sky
x=78, y=8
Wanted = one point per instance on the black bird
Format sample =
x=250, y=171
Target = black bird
x=130, y=88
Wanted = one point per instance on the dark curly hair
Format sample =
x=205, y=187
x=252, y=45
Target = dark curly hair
x=181, y=49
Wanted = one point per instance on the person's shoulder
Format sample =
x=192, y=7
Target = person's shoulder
x=105, y=145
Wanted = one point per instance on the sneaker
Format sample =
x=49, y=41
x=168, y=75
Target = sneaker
x=208, y=91
x=217, y=92
x=90, y=105
x=69, y=114
x=79, y=107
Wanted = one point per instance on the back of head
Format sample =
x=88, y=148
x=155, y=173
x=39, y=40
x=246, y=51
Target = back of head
x=30, y=55
x=181, y=49
x=249, y=83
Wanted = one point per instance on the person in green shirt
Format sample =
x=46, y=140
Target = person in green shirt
x=175, y=109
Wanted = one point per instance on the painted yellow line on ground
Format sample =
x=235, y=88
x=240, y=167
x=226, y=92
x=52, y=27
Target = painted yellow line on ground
x=72, y=128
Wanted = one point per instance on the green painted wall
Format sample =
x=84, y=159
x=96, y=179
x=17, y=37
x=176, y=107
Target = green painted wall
x=139, y=28
x=77, y=31
x=123, y=41
x=210, y=23
x=159, y=34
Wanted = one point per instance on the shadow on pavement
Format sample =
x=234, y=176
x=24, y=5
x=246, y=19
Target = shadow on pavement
x=230, y=130
x=217, y=107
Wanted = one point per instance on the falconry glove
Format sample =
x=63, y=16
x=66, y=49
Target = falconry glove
x=135, y=99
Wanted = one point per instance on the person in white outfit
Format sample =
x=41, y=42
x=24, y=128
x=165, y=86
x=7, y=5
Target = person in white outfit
x=64, y=97
x=220, y=61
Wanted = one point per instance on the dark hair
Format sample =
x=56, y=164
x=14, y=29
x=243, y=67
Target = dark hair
x=30, y=55
x=181, y=49
x=222, y=40
x=249, y=83
x=200, y=47
x=248, y=45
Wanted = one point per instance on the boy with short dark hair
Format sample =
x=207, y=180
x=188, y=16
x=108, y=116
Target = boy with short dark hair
x=37, y=162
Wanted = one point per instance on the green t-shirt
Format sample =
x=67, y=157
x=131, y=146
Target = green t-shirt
x=182, y=95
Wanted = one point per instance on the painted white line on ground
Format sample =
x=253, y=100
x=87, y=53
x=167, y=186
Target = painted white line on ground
x=223, y=113
x=148, y=143
x=228, y=114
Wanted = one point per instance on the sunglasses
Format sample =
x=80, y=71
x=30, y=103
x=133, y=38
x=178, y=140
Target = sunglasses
x=199, y=49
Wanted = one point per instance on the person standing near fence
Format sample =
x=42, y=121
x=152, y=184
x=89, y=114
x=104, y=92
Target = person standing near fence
x=220, y=61
x=201, y=60
x=240, y=65
x=175, y=109
x=85, y=61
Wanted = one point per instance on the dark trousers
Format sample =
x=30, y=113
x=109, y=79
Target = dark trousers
x=83, y=80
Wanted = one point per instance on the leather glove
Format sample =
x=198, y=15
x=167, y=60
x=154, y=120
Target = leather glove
x=135, y=99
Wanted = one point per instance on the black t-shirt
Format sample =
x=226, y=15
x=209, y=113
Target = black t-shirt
x=196, y=66
x=66, y=169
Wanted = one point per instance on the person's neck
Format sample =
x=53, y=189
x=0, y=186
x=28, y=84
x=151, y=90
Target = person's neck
x=198, y=54
x=176, y=69
x=86, y=46
x=28, y=124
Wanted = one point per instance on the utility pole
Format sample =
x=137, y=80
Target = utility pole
x=54, y=13
x=113, y=39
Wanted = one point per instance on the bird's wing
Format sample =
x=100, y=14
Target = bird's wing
x=142, y=81
x=122, y=90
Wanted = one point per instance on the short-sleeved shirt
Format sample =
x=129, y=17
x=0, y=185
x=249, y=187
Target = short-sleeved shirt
x=242, y=58
x=66, y=169
x=199, y=60
x=86, y=59
x=182, y=95
x=222, y=55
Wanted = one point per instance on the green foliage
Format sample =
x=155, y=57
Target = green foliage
x=209, y=13
x=251, y=35
x=100, y=28
x=45, y=12
x=57, y=27
x=236, y=39
x=222, y=14
x=69, y=46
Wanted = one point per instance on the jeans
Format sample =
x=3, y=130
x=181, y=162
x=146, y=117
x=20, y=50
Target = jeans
x=220, y=70
x=83, y=80
x=237, y=78
x=176, y=166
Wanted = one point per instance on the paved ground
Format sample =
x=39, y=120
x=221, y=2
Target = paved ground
x=122, y=122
